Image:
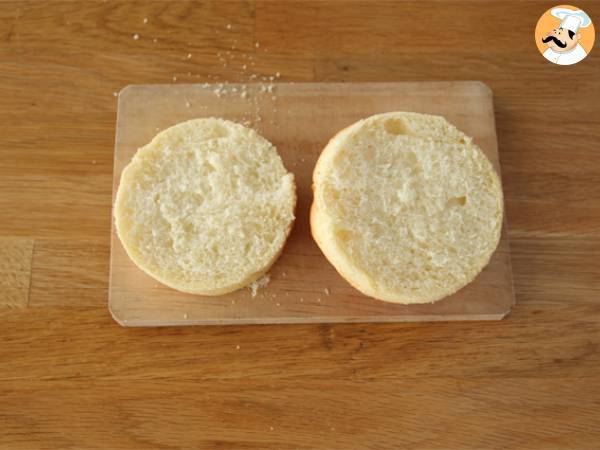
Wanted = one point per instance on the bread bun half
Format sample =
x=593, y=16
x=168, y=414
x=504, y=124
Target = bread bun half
x=406, y=207
x=206, y=207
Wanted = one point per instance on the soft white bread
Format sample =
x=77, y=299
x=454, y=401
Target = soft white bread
x=406, y=207
x=412, y=124
x=206, y=207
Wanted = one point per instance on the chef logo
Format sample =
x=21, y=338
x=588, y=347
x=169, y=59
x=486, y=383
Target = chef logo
x=564, y=35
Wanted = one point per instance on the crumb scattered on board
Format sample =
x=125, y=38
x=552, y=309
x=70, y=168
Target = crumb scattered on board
x=260, y=283
x=226, y=58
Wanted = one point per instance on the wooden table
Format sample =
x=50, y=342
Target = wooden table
x=70, y=377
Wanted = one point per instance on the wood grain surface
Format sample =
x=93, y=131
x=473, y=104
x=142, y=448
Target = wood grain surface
x=304, y=287
x=71, y=378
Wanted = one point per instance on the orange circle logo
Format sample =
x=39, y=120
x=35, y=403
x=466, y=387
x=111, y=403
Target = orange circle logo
x=565, y=35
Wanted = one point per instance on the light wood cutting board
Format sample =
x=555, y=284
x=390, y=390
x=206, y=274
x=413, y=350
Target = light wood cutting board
x=299, y=119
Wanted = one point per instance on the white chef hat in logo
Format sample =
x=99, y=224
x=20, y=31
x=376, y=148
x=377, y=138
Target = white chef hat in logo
x=570, y=19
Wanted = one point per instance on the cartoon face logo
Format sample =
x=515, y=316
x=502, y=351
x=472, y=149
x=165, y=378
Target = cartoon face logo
x=561, y=40
x=560, y=34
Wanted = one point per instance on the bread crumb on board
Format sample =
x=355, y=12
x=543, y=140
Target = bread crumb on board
x=244, y=63
x=260, y=283
x=218, y=91
x=223, y=89
x=327, y=291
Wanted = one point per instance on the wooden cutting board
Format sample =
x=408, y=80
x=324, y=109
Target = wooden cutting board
x=299, y=118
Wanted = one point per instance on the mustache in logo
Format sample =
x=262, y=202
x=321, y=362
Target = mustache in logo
x=555, y=40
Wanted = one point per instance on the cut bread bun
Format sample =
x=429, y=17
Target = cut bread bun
x=406, y=207
x=206, y=207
